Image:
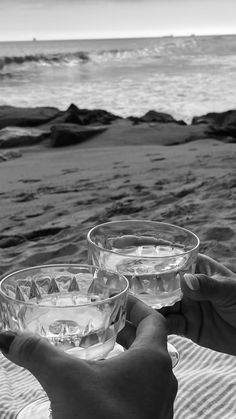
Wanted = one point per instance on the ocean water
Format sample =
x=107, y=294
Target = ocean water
x=183, y=76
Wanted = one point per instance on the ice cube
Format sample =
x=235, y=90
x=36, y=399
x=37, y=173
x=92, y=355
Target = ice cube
x=147, y=251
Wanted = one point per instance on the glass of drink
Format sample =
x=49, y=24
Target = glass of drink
x=79, y=308
x=152, y=255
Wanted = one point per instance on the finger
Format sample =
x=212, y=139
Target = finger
x=136, y=310
x=151, y=326
x=176, y=324
x=175, y=320
x=175, y=309
x=127, y=335
x=219, y=290
x=208, y=266
x=33, y=353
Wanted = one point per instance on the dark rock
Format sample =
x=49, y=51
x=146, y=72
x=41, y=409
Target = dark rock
x=221, y=124
x=97, y=116
x=26, y=117
x=154, y=116
x=70, y=116
x=17, y=136
x=68, y=134
x=75, y=115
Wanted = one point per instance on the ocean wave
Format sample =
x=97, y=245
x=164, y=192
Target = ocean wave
x=43, y=59
x=193, y=47
x=97, y=56
x=73, y=58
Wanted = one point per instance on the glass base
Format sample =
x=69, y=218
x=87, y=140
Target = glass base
x=39, y=409
x=174, y=354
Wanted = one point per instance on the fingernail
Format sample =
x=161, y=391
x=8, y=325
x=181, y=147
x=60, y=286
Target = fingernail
x=192, y=282
x=6, y=339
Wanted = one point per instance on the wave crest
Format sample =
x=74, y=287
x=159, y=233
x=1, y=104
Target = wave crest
x=43, y=59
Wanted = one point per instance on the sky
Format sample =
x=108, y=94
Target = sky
x=86, y=19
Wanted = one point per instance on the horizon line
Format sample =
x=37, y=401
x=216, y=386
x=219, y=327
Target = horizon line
x=36, y=39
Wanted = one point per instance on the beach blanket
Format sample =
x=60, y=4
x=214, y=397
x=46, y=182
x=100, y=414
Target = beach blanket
x=207, y=384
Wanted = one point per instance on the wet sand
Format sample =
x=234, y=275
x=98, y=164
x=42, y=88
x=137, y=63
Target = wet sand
x=50, y=198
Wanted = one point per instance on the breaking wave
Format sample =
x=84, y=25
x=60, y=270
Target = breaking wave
x=170, y=49
x=43, y=59
x=10, y=65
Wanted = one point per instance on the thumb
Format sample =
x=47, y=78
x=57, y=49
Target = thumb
x=34, y=353
x=219, y=290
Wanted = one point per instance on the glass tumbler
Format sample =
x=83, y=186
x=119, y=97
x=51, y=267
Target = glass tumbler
x=78, y=308
x=152, y=255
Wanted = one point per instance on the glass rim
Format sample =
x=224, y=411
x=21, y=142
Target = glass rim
x=95, y=303
x=146, y=221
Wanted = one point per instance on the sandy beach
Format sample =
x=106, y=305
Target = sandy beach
x=50, y=197
x=138, y=123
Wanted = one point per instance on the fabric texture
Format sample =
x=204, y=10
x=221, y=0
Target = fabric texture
x=207, y=384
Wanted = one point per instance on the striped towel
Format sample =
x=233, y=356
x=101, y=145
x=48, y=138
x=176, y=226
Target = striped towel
x=17, y=388
x=207, y=384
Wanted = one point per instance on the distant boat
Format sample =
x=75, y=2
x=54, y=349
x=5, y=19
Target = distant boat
x=34, y=39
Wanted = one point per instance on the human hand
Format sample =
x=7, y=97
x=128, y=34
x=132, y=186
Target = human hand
x=137, y=384
x=207, y=312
